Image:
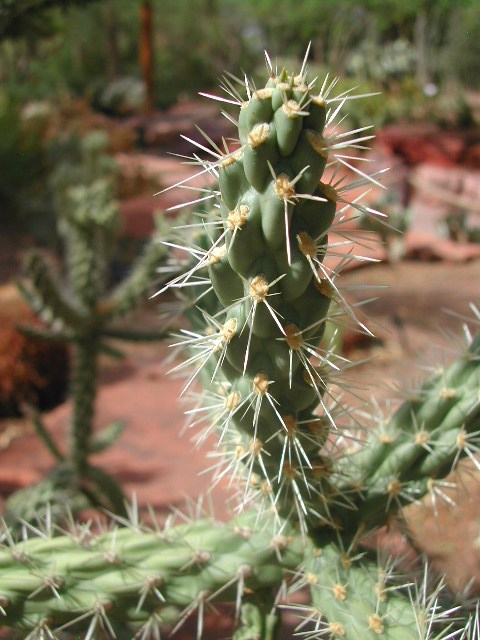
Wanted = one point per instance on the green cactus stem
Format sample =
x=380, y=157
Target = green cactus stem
x=151, y=578
x=132, y=575
x=79, y=310
x=84, y=390
x=267, y=263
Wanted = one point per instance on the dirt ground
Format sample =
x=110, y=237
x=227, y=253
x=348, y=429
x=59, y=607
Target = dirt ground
x=412, y=331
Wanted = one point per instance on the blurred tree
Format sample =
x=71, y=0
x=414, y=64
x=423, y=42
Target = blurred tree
x=461, y=55
x=332, y=26
x=335, y=27
x=22, y=17
x=195, y=40
x=146, y=53
x=112, y=39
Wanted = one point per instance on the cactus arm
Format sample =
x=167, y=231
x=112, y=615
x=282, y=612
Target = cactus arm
x=83, y=269
x=45, y=436
x=420, y=445
x=103, y=491
x=50, y=500
x=89, y=224
x=111, y=351
x=106, y=437
x=39, y=333
x=355, y=597
x=46, y=297
x=135, y=576
x=60, y=494
x=260, y=618
x=265, y=264
x=132, y=575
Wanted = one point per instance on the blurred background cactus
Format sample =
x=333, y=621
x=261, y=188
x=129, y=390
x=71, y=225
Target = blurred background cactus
x=78, y=309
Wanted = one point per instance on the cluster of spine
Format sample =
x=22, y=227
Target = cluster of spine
x=79, y=311
x=259, y=258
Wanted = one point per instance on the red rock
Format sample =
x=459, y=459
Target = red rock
x=472, y=156
x=424, y=246
x=159, y=172
x=137, y=216
x=164, y=130
x=428, y=143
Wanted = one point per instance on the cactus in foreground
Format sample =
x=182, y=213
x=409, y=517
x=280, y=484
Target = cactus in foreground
x=316, y=482
x=81, y=312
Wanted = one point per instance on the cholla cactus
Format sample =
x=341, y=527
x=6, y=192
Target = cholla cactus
x=81, y=312
x=315, y=482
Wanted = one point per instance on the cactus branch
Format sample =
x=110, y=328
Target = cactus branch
x=84, y=388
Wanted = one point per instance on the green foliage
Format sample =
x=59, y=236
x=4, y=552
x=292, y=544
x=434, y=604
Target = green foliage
x=392, y=62
x=340, y=28
x=20, y=17
x=81, y=160
x=461, y=55
x=23, y=167
x=461, y=226
x=123, y=96
x=92, y=49
x=96, y=47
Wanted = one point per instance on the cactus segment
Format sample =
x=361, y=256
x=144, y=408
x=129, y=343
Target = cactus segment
x=133, y=574
x=267, y=268
x=231, y=179
x=352, y=597
x=288, y=122
x=400, y=463
x=151, y=579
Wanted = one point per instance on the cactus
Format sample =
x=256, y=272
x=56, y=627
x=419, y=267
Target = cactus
x=313, y=482
x=82, y=313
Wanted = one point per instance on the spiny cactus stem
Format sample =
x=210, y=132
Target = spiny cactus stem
x=134, y=573
x=84, y=383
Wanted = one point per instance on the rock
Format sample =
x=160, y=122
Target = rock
x=428, y=143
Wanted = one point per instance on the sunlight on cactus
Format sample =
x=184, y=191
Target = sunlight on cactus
x=312, y=476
